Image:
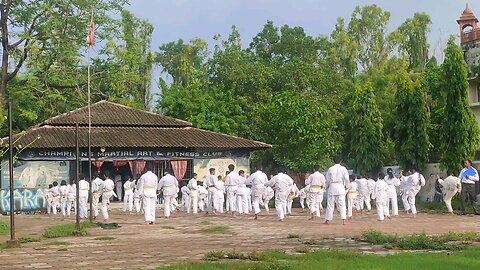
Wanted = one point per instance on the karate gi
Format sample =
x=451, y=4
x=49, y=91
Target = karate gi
x=336, y=183
x=220, y=196
x=147, y=188
x=118, y=186
x=393, y=183
x=371, y=185
x=137, y=203
x=292, y=195
x=451, y=185
x=55, y=198
x=192, y=185
x=380, y=195
x=49, y=195
x=108, y=186
x=414, y=182
x=249, y=199
x=257, y=180
x=316, y=186
x=169, y=184
x=351, y=198
x=97, y=189
x=210, y=184
x=71, y=198
x=84, y=188
x=185, y=199
x=363, y=194
x=128, y=197
x=302, y=195
x=268, y=194
x=241, y=193
x=231, y=185
x=282, y=184
x=63, y=199
x=202, y=197
x=404, y=187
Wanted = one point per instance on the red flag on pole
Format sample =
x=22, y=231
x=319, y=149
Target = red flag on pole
x=91, y=34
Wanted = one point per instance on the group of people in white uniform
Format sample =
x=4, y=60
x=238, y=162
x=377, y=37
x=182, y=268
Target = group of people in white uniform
x=237, y=194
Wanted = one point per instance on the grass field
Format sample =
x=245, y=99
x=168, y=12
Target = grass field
x=337, y=259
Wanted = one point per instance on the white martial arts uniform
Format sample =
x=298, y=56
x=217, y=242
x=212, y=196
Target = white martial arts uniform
x=97, y=189
x=257, y=180
x=380, y=195
x=282, y=184
x=316, y=185
x=336, y=183
x=71, y=198
x=118, y=186
x=128, y=186
x=169, y=184
x=49, y=195
x=210, y=184
x=220, y=196
x=192, y=185
x=302, y=195
x=404, y=187
x=241, y=195
x=202, y=197
x=249, y=199
x=84, y=188
x=137, y=202
x=393, y=183
x=185, y=199
x=415, y=182
x=108, y=187
x=55, y=198
x=63, y=199
x=292, y=195
x=147, y=188
x=231, y=185
x=351, y=197
x=451, y=185
x=363, y=194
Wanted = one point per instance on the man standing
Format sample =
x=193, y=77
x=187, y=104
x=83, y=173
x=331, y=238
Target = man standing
x=147, y=187
x=108, y=186
x=128, y=197
x=380, y=195
x=169, y=184
x=337, y=182
x=468, y=176
x=83, y=188
x=316, y=184
x=363, y=194
x=220, y=195
x=185, y=199
x=257, y=180
x=97, y=188
x=211, y=185
x=451, y=185
x=414, y=182
x=231, y=184
x=282, y=183
x=192, y=185
x=392, y=182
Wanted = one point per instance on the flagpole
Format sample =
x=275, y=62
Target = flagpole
x=89, y=124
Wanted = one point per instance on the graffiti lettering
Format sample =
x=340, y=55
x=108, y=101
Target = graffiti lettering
x=26, y=199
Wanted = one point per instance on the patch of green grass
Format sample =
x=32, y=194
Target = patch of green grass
x=58, y=243
x=28, y=239
x=302, y=249
x=205, y=222
x=105, y=238
x=413, y=242
x=168, y=227
x=4, y=228
x=341, y=259
x=3, y=245
x=219, y=228
x=67, y=230
x=462, y=236
x=234, y=255
x=293, y=235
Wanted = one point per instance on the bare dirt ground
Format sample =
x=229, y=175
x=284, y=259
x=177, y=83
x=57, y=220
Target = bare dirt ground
x=189, y=237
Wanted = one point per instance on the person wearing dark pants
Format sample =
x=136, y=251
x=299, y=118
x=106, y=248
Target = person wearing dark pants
x=468, y=177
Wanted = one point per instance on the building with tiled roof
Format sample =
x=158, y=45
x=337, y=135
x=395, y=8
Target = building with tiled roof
x=123, y=141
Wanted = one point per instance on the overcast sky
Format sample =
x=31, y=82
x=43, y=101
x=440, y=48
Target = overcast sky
x=187, y=19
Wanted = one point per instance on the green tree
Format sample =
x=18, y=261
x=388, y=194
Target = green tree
x=365, y=138
x=411, y=123
x=300, y=129
x=460, y=133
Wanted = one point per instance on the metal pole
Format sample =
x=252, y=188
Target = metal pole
x=77, y=191
x=89, y=137
x=12, y=242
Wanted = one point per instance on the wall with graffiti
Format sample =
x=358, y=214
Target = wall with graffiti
x=26, y=200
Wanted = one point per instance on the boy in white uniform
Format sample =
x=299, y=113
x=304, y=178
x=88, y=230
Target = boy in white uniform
x=337, y=183
x=128, y=186
x=363, y=193
x=268, y=194
x=97, y=189
x=169, y=184
x=293, y=194
x=241, y=193
x=48, y=193
x=231, y=184
x=316, y=185
x=351, y=196
x=185, y=199
x=302, y=194
x=220, y=194
x=283, y=185
x=210, y=184
x=108, y=187
x=451, y=185
x=55, y=190
x=192, y=186
x=71, y=197
x=393, y=182
x=147, y=188
x=137, y=200
x=380, y=195
x=83, y=189
x=257, y=180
